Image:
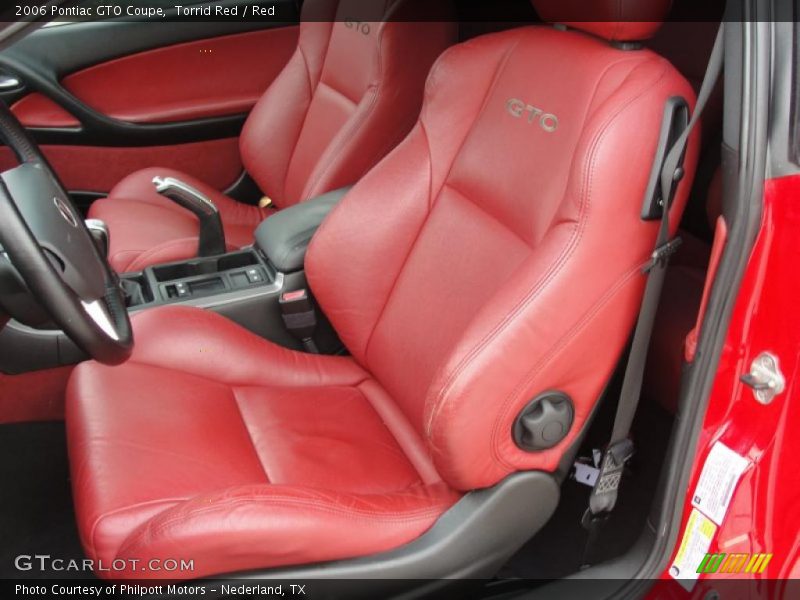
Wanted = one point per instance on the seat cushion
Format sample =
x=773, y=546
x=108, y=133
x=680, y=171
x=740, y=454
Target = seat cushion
x=200, y=445
x=148, y=229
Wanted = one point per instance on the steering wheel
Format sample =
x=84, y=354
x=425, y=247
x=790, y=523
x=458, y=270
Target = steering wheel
x=48, y=244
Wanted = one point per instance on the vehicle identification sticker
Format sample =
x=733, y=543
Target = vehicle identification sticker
x=718, y=481
x=697, y=538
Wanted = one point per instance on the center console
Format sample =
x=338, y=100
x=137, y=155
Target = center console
x=242, y=285
x=245, y=286
x=198, y=278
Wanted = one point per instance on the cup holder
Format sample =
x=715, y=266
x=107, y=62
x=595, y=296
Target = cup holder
x=204, y=266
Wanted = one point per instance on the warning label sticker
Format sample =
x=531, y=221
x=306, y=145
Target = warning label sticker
x=697, y=538
x=718, y=481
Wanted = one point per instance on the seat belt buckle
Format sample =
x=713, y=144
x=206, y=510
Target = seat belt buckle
x=606, y=489
x=299, y=316
x=662, y=254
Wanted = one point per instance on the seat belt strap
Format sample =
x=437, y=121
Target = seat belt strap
x=619, y=450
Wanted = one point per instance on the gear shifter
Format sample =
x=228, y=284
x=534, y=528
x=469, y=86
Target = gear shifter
x=212, y=236
x=99, y=231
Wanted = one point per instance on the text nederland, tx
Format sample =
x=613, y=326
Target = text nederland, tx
x=292, y=589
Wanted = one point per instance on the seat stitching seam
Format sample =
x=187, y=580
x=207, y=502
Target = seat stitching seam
x=427, y=139
x=289, y=502
x=312, y=93
x=376, y=90
x=247, y=431
x=302, y=52
x=400, y=270
x=499, y=69
x=590, y=108
x=99, y=518
x=145, y=363
x=489, y=214
x=394, y=435
x=338, y=92
x=329, y=155
x=489, y=89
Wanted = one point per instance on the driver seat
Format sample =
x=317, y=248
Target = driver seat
x=494, y=255
x=344, y=99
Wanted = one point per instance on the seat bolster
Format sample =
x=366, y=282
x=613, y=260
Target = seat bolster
x=172, y=251
x=249, y=527
x=139, y=186
x=206, y=344
x=101, y=541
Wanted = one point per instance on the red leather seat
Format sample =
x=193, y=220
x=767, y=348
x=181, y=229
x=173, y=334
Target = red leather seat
x=346, y=97
x=295, y=459
x=496, y=253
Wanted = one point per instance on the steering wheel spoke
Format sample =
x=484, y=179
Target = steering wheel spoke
x=57, y=227
x=98, y=312
x=48, y=243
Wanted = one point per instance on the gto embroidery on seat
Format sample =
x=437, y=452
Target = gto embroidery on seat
x=360, y=26
x=519, y=109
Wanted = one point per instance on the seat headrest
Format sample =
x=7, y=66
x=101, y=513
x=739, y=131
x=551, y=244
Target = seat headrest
x=614, y=20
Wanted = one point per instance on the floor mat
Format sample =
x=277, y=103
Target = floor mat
x=36, y=511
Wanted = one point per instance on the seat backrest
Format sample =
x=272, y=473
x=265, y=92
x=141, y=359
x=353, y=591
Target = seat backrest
x=497, y=252
x=349, y=94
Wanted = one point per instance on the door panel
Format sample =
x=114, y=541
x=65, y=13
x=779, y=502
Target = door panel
x=37, y=110
x=98, y=168
x=206, y=78
x=104, y=99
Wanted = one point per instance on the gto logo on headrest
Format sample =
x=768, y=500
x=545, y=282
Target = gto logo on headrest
x=360, y=26
x=519, y=109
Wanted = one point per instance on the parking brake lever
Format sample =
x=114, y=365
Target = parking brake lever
x=212, y=236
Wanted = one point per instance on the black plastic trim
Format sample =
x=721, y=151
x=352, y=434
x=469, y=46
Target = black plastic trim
x=673, y=122
x=471, y=540
x=544, y=422
x=785, y=108
x=41, y=59
x=284, y=236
